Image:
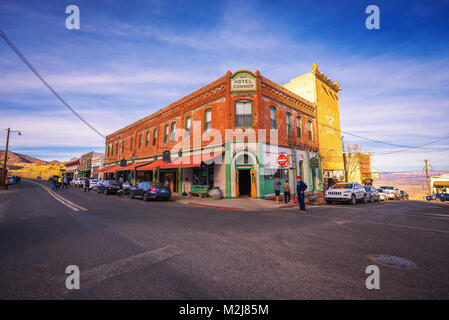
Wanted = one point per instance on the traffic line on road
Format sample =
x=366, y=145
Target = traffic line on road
x=90, y=278
x=75, y=207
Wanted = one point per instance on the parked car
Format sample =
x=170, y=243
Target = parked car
x=79, y=183
x=404, y=195
x=392, y=192
x=382, y=194
x=126, y=185
x=444, y=197
x=372, y=194
x=95, y=187
x=10, y=179
x=73, y=182
x=350, y=192
x=108, y=187
x=92, y=183
x=433, y=196
x=150, y=190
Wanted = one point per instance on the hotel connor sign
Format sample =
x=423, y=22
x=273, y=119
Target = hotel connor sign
x=243, y=81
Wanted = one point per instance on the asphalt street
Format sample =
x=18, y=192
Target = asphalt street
x=131, y=249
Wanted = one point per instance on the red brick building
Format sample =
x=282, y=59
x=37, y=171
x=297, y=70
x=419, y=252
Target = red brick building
x=263, y=119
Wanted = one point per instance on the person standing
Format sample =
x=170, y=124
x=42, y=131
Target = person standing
x=277, y=187
x=54, y=183
x=86, y=185
x=287, y=192
x=301, y=187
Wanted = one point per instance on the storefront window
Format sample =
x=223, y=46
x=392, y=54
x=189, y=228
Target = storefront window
x=243, y=114
x=204, y=175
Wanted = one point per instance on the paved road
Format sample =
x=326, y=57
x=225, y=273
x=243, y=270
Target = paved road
x=164, y=250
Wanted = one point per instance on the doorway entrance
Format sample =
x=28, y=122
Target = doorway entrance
x=244, y=182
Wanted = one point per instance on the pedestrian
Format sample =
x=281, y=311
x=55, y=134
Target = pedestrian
x=301, y=187
x=6, y=183
x=277, y=187
x=86, y=185
x=54, y=183
x=64, y=182
x=287, y=192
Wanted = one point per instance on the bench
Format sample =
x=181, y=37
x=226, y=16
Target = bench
x=200, y=190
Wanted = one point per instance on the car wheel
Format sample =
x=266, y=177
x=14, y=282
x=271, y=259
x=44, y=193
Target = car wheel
x=353, y=200
x=364, y=200
x=145, y=197
x=131, y=195
x=105, y=192
x=371, y=199
x=328, y=202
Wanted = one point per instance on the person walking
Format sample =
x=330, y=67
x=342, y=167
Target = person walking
x=287, y=192
x=86, y=185
x=64, y=182
x=301, y=187
x=54, y=183
x=277, y=187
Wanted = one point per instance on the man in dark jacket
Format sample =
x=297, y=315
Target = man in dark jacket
x=86, y=185
x=301, y=187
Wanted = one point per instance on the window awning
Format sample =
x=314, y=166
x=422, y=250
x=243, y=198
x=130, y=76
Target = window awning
x=111, y=169
x=132, y=166
x=151, y=166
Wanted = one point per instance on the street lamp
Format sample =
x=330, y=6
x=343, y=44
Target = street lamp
x=3, y=174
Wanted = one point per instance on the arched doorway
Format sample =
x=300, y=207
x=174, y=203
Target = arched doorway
x=245, y=172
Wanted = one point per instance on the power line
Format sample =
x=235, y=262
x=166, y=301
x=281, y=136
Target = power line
x=46, y=83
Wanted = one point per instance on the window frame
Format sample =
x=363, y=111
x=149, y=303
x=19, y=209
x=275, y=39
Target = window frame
x=236, y=115
x=288, y=123
x=299, y=126
x=205, y=127
x=188, y=130
x=166, y=133
x=172, y=131
x=310, y=129
x=154, y=136
x=273, y=108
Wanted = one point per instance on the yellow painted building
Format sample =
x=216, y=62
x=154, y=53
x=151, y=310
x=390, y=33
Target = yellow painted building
x=358, y=168
x=316, y=87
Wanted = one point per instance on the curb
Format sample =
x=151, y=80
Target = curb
x=214, y=207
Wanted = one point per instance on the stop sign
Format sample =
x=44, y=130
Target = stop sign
x=282, y=160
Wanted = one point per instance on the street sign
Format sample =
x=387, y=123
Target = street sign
x=282, y=160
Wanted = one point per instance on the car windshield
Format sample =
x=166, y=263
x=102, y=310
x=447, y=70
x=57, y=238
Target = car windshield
x=342, y=186
x=387, y=187
x=367, y=188
x=380, y=190
x=111, y=182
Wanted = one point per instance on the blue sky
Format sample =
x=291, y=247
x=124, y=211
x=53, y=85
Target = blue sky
x=131, y=58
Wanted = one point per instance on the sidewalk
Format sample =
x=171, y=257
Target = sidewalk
x=240, y=204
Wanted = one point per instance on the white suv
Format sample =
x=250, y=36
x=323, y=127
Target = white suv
x=350, y=192
x=391, y=192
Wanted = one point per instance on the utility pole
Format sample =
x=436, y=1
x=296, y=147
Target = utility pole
x=428, y=179
x=3, y=174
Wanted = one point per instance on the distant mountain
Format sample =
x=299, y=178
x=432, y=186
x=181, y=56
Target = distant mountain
x=409, y=174
x=14, y=158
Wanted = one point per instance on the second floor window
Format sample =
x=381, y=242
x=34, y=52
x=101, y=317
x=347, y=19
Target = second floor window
x=131, y=144
x=140, y=141
x=243, y=114
x=207, y=120
x=123, y=146
x=166, y=133
x=309, y=129
x=188, y=125
x=289, y=123
x=147, y=139
x=154, y=137
x=172, y=131
x=273, y=124
x=298, y=127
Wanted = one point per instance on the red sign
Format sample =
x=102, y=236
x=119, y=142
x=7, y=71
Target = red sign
x=282, y=160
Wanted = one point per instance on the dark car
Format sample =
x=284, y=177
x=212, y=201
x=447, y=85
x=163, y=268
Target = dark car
x=372, y=194
x=150, y=190
x=444, y=197
x=108, y=187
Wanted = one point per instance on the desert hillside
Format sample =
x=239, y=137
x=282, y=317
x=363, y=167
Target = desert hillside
x=29, y=167
x=414, y=183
